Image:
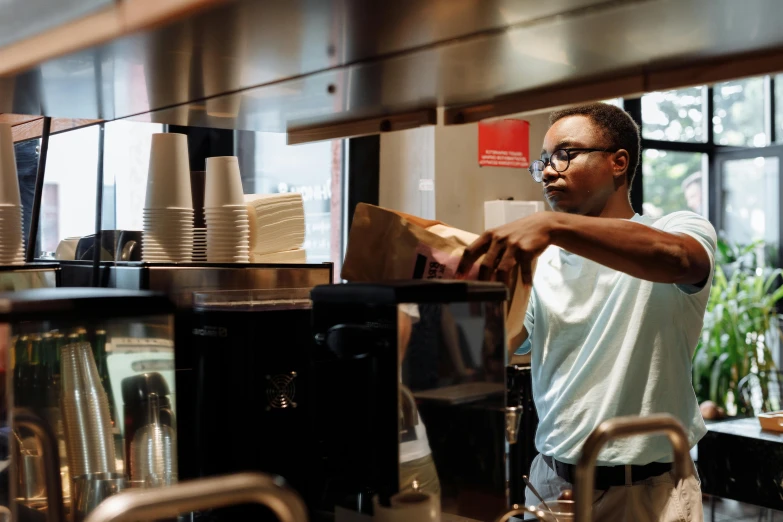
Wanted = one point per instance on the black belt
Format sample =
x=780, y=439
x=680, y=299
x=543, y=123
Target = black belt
x=608, y=476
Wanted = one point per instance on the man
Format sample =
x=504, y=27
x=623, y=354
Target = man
x=615, y=313
x=691, y=189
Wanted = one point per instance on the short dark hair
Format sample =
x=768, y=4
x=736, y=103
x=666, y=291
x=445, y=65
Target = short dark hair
x=617, y=125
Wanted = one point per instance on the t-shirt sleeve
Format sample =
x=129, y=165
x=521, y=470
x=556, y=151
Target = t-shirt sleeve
x=702, y=231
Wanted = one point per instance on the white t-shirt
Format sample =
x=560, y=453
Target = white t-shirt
x=606, y=344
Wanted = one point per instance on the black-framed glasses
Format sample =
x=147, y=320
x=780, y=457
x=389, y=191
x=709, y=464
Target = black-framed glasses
x=560, y=161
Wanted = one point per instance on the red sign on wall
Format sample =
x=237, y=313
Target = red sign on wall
x=504, y=143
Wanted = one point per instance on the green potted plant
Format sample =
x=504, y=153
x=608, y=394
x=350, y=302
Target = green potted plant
x=739, y=321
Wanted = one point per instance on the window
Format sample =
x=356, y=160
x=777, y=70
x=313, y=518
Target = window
x=739, y=113
x=750, y=200
x=674, y=115
x=673, y=181
x=682, y=142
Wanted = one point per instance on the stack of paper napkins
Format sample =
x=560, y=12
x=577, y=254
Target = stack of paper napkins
x=277, y=227
x=298, y=256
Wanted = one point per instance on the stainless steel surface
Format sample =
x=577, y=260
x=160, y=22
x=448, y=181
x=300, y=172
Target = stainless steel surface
x=362, y=127
x=92, y=490
x=27, y=278
x=24, y=18
x=270, y=65
x=622, y=427
x=27, y=419
x=86, y=418
x=513, y=420
x=181, y=281
x=197, y=495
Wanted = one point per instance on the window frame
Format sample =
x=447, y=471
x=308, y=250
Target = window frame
x=716, y=154
x=774, y=150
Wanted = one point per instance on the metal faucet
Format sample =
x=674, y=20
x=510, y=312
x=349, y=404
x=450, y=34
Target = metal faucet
x=622, y=427
x=197, y=495
x=25, y=418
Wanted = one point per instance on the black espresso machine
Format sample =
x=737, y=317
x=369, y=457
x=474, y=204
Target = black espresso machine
x=356, y=390
x=181, y=282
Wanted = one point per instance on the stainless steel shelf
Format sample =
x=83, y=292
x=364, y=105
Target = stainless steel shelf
x=285, y=65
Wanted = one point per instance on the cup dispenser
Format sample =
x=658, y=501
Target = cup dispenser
x=67, y=357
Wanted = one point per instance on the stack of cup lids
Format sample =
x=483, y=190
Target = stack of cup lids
x=225, y=212
x=11, y=230
x=168, y=209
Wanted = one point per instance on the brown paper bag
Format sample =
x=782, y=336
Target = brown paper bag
x=387, y=245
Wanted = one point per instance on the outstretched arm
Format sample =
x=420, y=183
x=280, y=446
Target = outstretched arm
x=626, y=246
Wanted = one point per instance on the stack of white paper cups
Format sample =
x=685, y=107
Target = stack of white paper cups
x=11, y=231
x=168, y=210
x=225, y=212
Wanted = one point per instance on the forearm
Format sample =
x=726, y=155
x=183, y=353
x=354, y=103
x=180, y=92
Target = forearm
x=632, y=248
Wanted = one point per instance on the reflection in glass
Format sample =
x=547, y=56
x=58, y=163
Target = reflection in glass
x=738, y=119
x=674, y=181
x=674, y=115
x=453, y=380
x=75, y=375
x=312, y=170
x=750, y=201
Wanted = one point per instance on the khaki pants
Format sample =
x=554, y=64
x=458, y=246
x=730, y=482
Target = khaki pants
x=422, y=471
x=656, y=499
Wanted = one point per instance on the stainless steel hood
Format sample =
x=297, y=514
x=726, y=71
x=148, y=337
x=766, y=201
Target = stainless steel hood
x=315, y=67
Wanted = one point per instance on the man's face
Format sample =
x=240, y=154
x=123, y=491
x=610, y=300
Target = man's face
x=589, y=181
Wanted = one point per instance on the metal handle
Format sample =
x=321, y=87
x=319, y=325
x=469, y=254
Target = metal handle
x=622, y=427
x=27, y=419
x=197, y=495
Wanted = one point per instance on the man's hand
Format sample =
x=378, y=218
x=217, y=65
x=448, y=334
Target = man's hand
x=517, y=243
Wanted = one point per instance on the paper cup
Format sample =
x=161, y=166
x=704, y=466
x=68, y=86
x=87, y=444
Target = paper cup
x=168, y=179
x=9, y=182
x=223, y=185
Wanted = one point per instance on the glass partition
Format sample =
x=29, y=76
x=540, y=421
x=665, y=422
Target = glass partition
x=452, y=381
